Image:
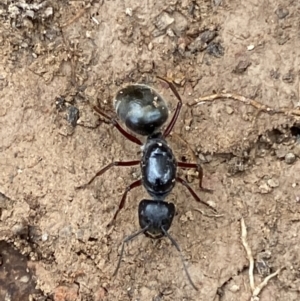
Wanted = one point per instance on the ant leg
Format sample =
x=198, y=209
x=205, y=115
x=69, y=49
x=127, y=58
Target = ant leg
x=200, y=173
x=178, y=108
x=192, y=192
x=122, y=203
x=118, y=127
x=103, y=170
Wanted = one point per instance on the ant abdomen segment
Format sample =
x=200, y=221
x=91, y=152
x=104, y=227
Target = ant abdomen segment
x=141, y=108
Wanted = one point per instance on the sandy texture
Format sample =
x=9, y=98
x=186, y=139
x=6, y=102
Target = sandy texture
x=57, y=58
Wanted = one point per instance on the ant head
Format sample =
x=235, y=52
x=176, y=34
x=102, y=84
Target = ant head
x=155, y=219
x=157, y=216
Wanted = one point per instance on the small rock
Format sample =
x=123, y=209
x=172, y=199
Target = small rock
x=48, y=12
x=202, y=157
x=250, y=47
x=234, y=288
x=170, y=33
x=150, y=46
x=211, y=203
x=65, y=232
x=72, y=115
x=229, y=110
x=29, y=14
x=202, y=41
x=289, y=158
x=241, y=67
x=289, y=77
x=45, y=237
x=217, y=2
x=180, y=24
x=280, y=153
x=20, y=229
x=273, y=183
x=128, y=11
x=209, y=158
x=24, y=279
x=215, y=49
x=281, y=12
x=296, y=150
x=163, y=21
x=264, y=188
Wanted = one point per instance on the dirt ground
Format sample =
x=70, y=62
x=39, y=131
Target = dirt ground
x=57, y=58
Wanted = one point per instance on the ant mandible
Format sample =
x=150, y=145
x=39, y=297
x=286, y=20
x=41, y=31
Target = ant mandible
x=144, y=111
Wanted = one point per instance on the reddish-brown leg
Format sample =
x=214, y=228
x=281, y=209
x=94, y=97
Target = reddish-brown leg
x=123, y=200
x=200, y=173
x=170, y=126
x=103, y=170
x=118, y=127
x=192, y=192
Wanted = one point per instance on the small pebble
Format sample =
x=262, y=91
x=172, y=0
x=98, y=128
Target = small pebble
x=24, y=279
x=273, y=183
x=128, y=11
x=48, y=12
x=281, y=12
x=280, y=153
x=264, y=188
x=296, y=150
x=250, y=47
x=289, y=158
x=163, y=21
x=234, y=288
x=150, y=46
x=45, y=237
x=72, y=115
x=241, y=67
x=229, y=110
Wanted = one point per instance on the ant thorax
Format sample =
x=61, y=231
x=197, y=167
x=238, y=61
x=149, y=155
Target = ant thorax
x=158, y=167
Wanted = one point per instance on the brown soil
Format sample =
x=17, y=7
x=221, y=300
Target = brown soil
x=58, y=57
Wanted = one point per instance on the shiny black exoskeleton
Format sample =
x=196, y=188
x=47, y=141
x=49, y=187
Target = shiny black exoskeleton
x=158, y=167
x=144, y=111
x=141, y=108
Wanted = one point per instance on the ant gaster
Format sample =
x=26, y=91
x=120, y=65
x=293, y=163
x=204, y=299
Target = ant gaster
x=144, y=111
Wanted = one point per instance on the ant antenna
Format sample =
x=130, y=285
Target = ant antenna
x=127, y=239
x=174, y=243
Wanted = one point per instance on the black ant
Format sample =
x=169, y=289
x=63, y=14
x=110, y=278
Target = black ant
x=144, y=111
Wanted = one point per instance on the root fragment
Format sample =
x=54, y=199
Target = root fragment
x=256, y=290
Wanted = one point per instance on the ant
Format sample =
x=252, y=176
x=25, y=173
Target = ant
x=144, y=111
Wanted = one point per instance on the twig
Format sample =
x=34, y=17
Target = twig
x=256, y=290
x=208, y=215
x=247, y=101
x=249, y=254
x=264, y=283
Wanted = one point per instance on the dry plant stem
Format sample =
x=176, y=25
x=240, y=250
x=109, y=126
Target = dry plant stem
x=264, y=283
x=208, y=215
x=247, y=101
x=249, y=254
x=255, y=289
